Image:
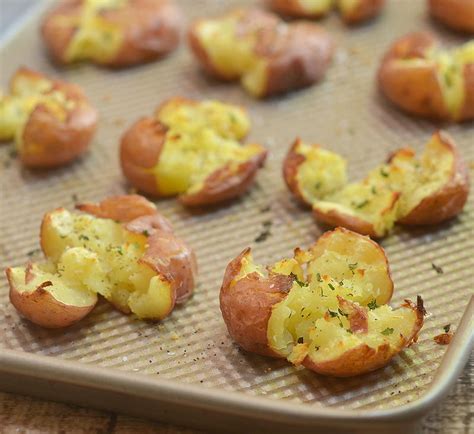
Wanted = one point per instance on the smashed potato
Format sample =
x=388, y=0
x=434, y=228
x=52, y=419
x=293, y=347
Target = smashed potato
x=352, y=11
x=457, y=14
x=191, y=149
x=121, y=249
x=408, y=190
x=115, y=33
x=51, y=121
x=325, y=308
x=423, y=79
x=267, y=55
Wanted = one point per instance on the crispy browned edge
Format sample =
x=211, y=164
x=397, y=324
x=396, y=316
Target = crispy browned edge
x=365, y=10
x=50, y=142
x=416, y=89
x=166, y=254
x=456, y=14
x=151, y=29
x=246, y=305
x=295, y=60
x=41, y=308
x=363, y=358
x=293, y=8
x=140, y=150
x=353, y=223
x=450, y=199
x=290, y=167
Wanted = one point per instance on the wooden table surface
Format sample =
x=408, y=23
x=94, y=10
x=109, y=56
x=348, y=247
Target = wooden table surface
x=20, y=414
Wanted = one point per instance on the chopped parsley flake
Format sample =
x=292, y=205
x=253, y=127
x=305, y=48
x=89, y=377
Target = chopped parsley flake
x=362, y=204
x=299, y=282
x=387, y=331
x=373, y=304
x=353, y=266
x=446, y=328
x=318, y=277
x=384, y=173
x=300, y=340
x=331, y=286
x=83, y=237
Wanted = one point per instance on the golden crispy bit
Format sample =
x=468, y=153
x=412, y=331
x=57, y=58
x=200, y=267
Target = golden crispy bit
x=325, y=308
x=267, y=55
x=408, y=190
x=115, y=33
x=130, y=256
x=192, y=149
x=51, y=121
x=423, y=79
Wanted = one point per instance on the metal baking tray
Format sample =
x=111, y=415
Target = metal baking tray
x=186, y=369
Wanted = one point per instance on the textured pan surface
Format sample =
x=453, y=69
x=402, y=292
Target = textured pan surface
x=343, y=113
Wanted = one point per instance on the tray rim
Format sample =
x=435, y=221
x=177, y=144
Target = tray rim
x=20, y=364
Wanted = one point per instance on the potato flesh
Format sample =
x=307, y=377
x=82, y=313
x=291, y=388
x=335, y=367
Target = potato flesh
x=321, y=173
x=347, y=6
x=26, y=94
x=71, y=292
x=231, y=54
x=95, y=39
x=119, y=277
x=202, y=138
x=355, y=271
x=316, y=6
x=415, y=178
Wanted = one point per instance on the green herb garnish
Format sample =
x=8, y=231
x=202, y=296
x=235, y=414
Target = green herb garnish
x=299, y=282
x=446, y=328
x=387, y=331
x=331, y=286
x=373, y=304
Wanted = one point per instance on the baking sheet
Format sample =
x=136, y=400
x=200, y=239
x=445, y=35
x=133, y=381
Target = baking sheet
x=345, y=114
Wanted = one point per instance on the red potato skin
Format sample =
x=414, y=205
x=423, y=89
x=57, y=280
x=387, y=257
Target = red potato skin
x=447, y=202
x=51, y=142
x=292, y=8
x=151, y=29
x=353, y=223
x=53, y=313
x=416, y=89
x=290, y=170
x=226, y=183
x=140, y=150
x=364, y=359
x=166, y=254
x=246, y=305
x=295, y=58
x=365, y=10
x=456, y=14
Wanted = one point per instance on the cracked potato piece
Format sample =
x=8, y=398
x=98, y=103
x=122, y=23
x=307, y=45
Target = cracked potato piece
x=325, y=308
x=408, y=190
x=51, y=121
x=423, y=79
x=121, y=249
x=352, y=11
x=267, y=55
x=456, y=14
x=114, y=33
x=192, y=150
